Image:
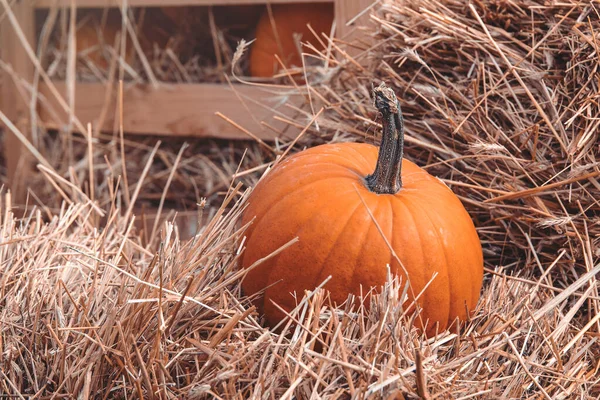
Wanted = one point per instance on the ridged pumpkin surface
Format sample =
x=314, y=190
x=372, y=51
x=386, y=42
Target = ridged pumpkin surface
x=315, y=195
x=289, y=19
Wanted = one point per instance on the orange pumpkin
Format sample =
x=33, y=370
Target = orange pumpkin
x=317, y=195
x=289, y=19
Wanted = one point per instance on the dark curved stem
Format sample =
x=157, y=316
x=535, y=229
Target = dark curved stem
x=387, y=179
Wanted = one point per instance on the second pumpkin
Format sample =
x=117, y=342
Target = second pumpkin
x=275, y=36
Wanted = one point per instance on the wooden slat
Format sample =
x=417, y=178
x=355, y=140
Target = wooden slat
x=161, y=3
x=345, y=11
x=19, y=161
x=176, y=109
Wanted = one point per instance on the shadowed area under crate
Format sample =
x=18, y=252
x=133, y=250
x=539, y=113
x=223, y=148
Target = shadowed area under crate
x=187, y=223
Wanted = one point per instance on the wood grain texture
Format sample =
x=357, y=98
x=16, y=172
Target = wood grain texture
x=19, y=161
x=346, y=11
x=177, y=109
x=161, y=3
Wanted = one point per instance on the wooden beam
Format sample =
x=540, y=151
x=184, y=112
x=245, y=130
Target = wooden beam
x=162, y=3
x=177, y=109
x=347, y=11
x=19, y=161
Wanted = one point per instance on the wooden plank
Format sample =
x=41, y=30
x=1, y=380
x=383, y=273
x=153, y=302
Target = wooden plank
x=161, y=3
x=177, y=109
x=19, y=161
x=347, y=11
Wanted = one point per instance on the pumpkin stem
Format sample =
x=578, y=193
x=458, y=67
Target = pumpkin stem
x=387, y=179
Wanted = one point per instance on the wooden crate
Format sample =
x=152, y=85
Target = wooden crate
x=168, y=109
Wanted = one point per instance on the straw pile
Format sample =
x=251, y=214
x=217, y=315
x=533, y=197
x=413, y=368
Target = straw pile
x=500, y=101
x=168, y=44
